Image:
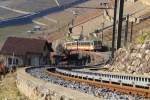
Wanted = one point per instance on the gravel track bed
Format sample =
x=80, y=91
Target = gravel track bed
x=91, y=90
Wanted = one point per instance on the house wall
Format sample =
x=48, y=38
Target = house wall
x=36, y=60
x=6, y=63
x=32, y=59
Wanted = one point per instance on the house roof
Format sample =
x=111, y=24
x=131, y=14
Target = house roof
x=21, y=46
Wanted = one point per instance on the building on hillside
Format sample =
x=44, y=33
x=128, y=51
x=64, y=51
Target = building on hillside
x=18, y=51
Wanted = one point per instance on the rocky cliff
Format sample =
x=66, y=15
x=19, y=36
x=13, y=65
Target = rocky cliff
x=134, y=59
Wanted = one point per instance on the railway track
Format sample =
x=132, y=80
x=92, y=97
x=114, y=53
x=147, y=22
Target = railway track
x=98, y=89
x=83, y=77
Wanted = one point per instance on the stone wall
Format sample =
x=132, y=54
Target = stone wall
x=135, y=59
x=37, y=89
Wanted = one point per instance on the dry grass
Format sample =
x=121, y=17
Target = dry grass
x=9, y=90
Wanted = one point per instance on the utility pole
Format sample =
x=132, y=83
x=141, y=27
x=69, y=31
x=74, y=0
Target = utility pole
x=131, y=31
x=126, y=31
x=121, y=8
x=102, y=32
x=114, y=29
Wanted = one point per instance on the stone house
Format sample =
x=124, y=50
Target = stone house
x=18, y=51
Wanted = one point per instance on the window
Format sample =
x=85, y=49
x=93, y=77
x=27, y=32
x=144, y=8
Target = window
x=145, y=79
x=134, y=78
x=127, y=77
x=142, y=79
x=148, y=79
x=9, y=61
x=17, y=62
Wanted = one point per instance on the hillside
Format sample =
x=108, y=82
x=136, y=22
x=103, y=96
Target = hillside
x=135, y=58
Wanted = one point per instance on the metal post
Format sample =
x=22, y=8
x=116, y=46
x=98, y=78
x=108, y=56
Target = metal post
x=13, y=59
x=131, y=31
x=114, y=29
x=126, y=31
x=102, y=32
x=77, y=45
x=120, y=23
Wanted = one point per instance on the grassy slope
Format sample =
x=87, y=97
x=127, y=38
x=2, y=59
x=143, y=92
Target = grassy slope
x=9, y=90
x=20, y=30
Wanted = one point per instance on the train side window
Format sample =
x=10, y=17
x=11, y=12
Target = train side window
x=121, y=77
x=116, y=76
x=127, y=77
x=136, y=78
x=110, y=76
x=139, y=78
x=142, y=79
x=124, y=77
x=145, y=79
x=148, y=79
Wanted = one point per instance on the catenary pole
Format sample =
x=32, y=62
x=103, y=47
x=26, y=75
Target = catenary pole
x=114, y=29
x=121, y=8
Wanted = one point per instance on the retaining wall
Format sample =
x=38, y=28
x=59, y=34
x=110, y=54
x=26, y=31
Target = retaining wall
x=37, y=89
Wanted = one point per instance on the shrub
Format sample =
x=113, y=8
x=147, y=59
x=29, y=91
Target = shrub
x=141, y=38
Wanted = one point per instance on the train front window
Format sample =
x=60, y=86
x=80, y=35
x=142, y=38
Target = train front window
x=95, y=42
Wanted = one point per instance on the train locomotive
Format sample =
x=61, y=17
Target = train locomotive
x=92, y=45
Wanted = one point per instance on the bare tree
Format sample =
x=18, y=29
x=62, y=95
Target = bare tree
x=60, y=49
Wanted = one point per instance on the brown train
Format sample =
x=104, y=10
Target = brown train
x=93, y=45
